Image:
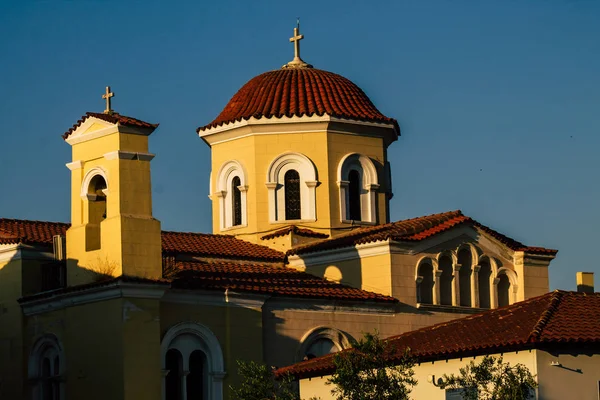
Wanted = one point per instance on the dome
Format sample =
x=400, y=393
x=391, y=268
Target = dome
x=300, y=92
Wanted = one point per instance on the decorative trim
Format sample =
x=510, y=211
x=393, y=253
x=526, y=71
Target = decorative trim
x=92, y=295
x=87, y=180
x=369, y=186
x=75, y=165
x=221, y=299
x=228, y=171
x=341, y=340
x=128, y=155
x=46, y=343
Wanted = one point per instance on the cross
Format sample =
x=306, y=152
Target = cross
x=296, y=39
x=107, y=96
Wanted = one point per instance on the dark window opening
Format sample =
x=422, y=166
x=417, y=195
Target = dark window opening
x=53, y=276
x=464, y=277
x=96, y=199
x=425, y=287
x=354, y=195
x=174, y=364
x=292, y=195
x=503, y=291
x=195, y=379
x=485, y=273
x=236, y=201
x=446, y=280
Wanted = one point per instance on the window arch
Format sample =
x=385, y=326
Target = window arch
x=47, y=369
x=446, y=279
x=358, y=183
x=192, y=356
x=231, y=188
x=465, y=260
x=505, y=286
x=302, y=187
x=322, y=340
x=94, y=192
x=484, y=276
x=425, y=281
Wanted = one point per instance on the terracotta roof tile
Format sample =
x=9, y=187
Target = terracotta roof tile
x=262, y=279
x=300, y=92
x=554, y=318
x=414, y=229
x=114, y=118
x=13, y=231
x=298, y=231
x=221, y=246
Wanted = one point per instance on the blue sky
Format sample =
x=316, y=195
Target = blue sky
x=499, y=101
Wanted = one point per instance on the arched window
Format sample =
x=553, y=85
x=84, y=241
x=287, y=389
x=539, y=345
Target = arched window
x=192, y=360
x=503, y=290
x=485, y=273
x=359, y=185
x=425, y=284
x=231, y=191
x=464, y=276
x=354, y=195
x=446, y=280
x=236, y=201
x=46, y=369
x=94, y=192
x=292, y=195
x=321, y=341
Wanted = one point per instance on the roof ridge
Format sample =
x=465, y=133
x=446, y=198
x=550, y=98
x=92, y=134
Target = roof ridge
x=35, y=221
x=538, y=329
x=201, y=234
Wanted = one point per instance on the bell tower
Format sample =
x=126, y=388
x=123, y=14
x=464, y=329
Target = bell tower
x=112, y=229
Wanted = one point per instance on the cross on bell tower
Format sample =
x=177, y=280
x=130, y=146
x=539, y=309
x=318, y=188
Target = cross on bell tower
x=107, y=96
x=297, y=62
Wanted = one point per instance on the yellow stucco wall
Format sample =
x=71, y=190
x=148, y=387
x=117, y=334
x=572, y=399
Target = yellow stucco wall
x=256, y=153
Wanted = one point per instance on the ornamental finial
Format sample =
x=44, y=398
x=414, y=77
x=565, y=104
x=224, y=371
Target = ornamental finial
x=297, y=62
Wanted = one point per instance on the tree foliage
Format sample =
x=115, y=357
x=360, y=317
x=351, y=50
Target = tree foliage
x=372, y=371
x=259, y=383
x=492, y=379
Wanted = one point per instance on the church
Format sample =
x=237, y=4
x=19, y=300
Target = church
x=302, y=260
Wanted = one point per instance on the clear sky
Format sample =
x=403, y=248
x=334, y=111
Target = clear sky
x=498, y=101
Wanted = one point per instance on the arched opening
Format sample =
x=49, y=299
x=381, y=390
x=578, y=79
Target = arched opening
x=236, y=201
x=446, y=280
x=464, y=280
x=354, y=195
x=503, y=290
x=96, y=201
x=321, y=347
x=174, y=367
x=292, y=195
x=46, y=369
x=485, y=273
x=425, y=286
x=195, y=381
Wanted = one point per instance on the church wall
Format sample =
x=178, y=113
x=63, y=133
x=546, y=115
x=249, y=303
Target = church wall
x=286, y=323
x=576, y=376
x=238, y=329
x=12, y=367
x=91, y=336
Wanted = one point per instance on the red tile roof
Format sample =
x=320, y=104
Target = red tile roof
x=13, y=231
x=221, y=246
x=262, y=279
x=298, y=231
x=114, y=118
x=556, y=318
x=414, y=229
x=300, y=92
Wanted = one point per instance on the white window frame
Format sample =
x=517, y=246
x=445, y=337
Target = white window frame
x=276, y=186
x=187, y=337
x=85, y=185
x=227, y=172
x=340, y=339
x=370, y=185
x=47, y=344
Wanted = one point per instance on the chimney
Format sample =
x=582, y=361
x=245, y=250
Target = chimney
x=585, y=282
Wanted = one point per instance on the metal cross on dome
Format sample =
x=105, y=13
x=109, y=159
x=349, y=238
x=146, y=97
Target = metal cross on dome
x=107, y=96
x=296, y=40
